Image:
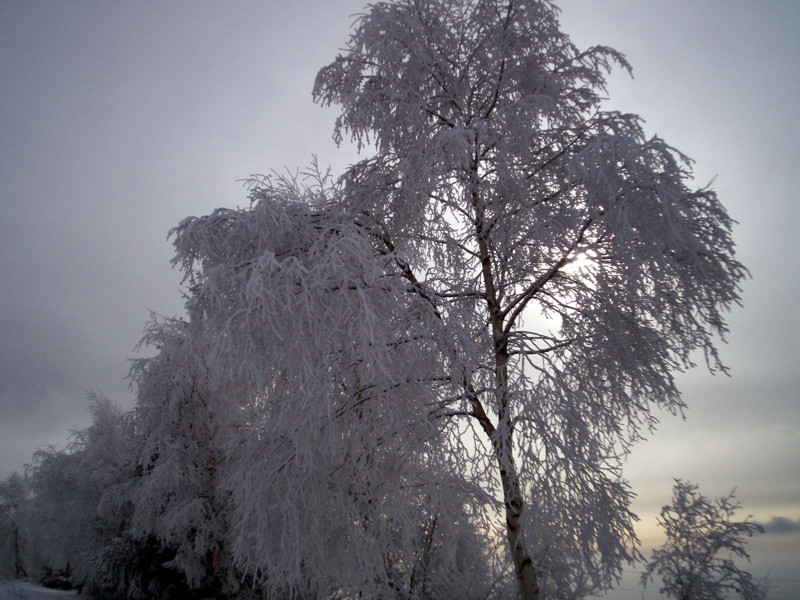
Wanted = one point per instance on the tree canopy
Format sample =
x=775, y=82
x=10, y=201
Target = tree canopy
x=573, y=268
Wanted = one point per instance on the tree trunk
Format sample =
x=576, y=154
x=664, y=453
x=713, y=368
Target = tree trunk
x=19, y=570
x=501, y=441
x=220, y=572
x=501, y=436
x=527, y=580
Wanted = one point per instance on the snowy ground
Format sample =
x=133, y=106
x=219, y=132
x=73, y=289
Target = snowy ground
x=22, y=590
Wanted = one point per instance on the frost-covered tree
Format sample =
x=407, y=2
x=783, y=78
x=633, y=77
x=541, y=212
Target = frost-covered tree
x=81, y=505
x=183, y=417
x=697, y=562
x=339, y=478
x=481, y=317
x=564, y=264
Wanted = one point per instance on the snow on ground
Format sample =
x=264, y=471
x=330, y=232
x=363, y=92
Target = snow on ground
x=22, y=590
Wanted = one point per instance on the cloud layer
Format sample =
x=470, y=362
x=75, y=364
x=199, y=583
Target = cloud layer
x=781, y=526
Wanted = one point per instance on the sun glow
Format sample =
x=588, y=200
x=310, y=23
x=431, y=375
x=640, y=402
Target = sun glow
x=583, y=262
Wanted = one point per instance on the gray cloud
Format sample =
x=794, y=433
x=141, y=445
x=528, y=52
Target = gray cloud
x=781, y=526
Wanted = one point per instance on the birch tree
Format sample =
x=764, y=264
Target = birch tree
x=570, y=267
x=697, y=562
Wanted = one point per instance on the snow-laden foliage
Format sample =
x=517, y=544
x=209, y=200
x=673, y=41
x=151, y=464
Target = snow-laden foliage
x=496, y=175
x=79, y=518
x=80, y=505
x=184, y=420
x=339, y=464
x=697, y=562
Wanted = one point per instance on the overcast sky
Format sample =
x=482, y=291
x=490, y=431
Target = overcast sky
x=117, y=120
